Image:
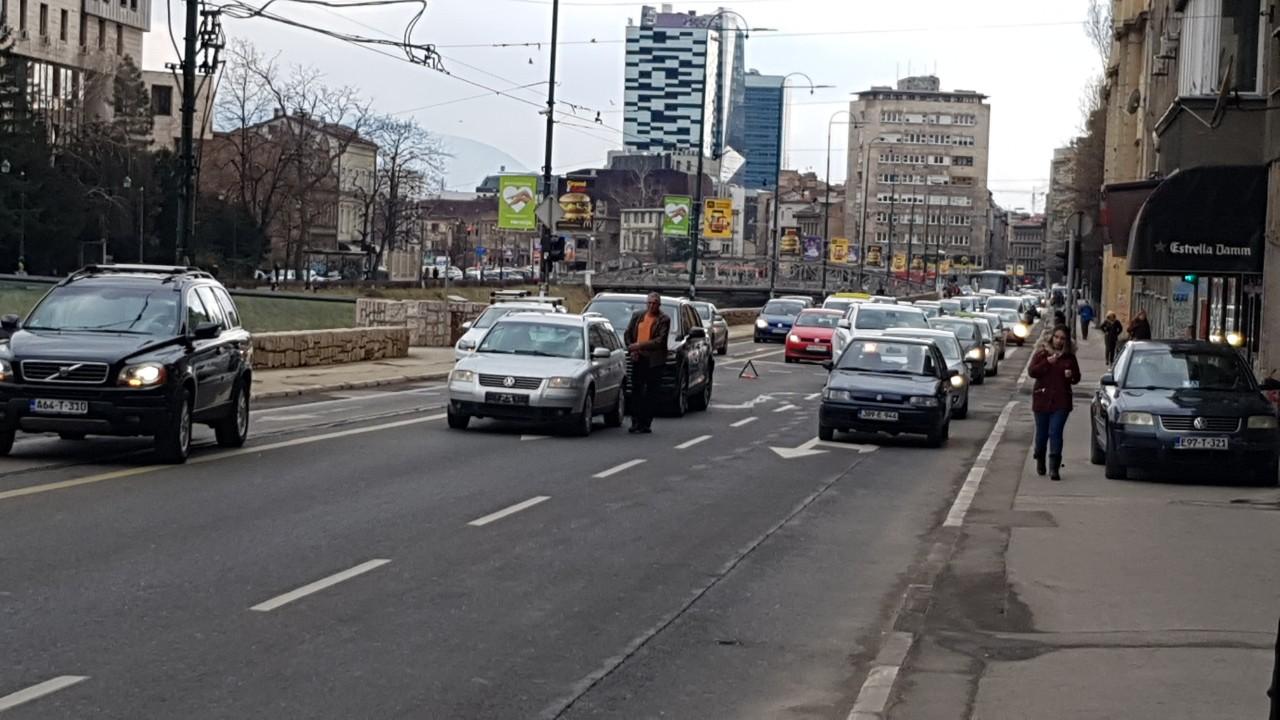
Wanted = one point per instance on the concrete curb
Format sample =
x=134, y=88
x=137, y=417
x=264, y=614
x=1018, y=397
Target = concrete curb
x=354, y=385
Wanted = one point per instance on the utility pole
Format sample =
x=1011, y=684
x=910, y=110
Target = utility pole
x=547, y=191
x=186, y=147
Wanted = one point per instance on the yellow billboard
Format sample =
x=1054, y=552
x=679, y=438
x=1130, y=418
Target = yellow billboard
x=717, y=219
x=839, y=250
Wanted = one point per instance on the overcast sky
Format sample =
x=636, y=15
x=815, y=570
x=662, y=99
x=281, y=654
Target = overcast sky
x=1030, y=56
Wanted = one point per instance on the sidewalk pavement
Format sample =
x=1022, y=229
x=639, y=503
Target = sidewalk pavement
x=1154, y=598
x=422, y=365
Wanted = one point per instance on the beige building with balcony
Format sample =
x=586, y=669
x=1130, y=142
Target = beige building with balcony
x=166, y=105
x=73, y=47
x=920, y=155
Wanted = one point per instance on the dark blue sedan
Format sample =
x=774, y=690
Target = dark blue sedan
x=775, y=320
x=1191, y=404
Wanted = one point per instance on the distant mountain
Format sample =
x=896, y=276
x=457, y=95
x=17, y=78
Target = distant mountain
x=473, y=160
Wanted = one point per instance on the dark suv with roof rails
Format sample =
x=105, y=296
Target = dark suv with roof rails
x=128, y=350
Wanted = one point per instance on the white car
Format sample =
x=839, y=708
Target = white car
x=478, y=328
x=875, y=316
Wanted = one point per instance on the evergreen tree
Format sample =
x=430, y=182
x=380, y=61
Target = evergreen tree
x=132, y=120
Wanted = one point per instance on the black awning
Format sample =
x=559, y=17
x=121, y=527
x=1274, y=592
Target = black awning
x=1120, y=205
x=1206, y=220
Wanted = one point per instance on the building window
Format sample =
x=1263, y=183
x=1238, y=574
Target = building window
x=44, y=20
x=162, y=100
x=102, y=34
x=62, y=25
x=1220, y=37
x=962, y=160
x=22, y=15
x=84, y=32
x=119, y=39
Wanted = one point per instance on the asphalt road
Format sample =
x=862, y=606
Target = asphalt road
x=360, y=560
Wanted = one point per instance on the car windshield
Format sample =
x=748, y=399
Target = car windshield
x=497, y=312
x=951, y=306
x=532, y=338
x=1002, y=303
x=789, y=308
x=619, y=311
x=818, y=319
x=704, y=311
x=960, y=328
x=984, y=327
x=1009, y=316
x=837, y=304
x=137, y=309
x=949, y=346
x=1167, y=369
x=885, y=356
x=874, y=318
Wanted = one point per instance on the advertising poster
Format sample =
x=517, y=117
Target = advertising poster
x=812, y=248
x=676, y=213
x=899, y=262
x=875, y=256
x=517, y=206
x=839, y=252
x=717, y=219
x=575, y=203
x=790, y=241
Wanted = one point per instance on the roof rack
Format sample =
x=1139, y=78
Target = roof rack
x=166, y=270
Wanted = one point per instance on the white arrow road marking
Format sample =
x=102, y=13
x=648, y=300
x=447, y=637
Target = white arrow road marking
x=39, y=690
x=810, y=447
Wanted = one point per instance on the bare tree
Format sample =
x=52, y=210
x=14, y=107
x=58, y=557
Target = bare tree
x=1098, y=27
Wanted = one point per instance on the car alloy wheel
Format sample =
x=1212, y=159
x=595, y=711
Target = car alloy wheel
x=583, y=428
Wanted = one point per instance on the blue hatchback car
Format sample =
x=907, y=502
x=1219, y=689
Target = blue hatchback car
x=775, y=320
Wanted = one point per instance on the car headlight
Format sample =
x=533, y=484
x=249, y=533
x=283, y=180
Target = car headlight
x=1263, y=422
x=957, y=381
x=6, y=371
x=1235, y=339
x=977, y=354
x=462, y=376
x=1020, y=330
x=143, y=375
x=924, y=401
x=793, y=338
x=1139, y=419
x=836, y=395
x=562, y=383
x=762, y=323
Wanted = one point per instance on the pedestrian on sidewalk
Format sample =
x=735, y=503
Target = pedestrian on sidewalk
x=1140, y=328
x=1111, y=329
x=646, y=339
x=1086, y=319
x=1055, y=370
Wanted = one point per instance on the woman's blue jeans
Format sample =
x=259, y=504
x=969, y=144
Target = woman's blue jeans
x=1049, y=427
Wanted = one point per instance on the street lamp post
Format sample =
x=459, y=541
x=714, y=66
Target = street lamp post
x=777, y=176
x=826, y=205
x=5, y=167
x=142, y=195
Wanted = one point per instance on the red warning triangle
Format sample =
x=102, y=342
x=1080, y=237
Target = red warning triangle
x=749, y=372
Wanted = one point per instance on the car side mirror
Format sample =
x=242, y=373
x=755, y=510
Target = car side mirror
x=1108, y=380
x=467, y=325
x=845, y=325
x=466, y=345
x=601, y=353
x=829, y=366
x=206, y=331
x=954, y=373
x=10, y=322
x=697, y=333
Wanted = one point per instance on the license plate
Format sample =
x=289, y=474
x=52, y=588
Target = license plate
x=508, y=399
x=818, y=348
x=60, y=407
x=780, y=330
x=1201, y=443
x=881, y=415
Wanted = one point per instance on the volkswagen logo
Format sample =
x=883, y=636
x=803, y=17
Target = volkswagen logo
x=508, y=381
x=1198, y=423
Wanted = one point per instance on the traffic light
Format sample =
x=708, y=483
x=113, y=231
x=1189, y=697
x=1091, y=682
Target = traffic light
x=1190, y=278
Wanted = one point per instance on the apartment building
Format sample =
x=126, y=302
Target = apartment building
x=1027, y=246
x=918, y=159
x=166, y=107
x=72, y=48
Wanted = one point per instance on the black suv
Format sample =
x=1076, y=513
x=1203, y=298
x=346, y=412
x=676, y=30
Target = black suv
x=128, y=350
x=690, y=371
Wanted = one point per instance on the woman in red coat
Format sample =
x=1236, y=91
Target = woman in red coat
x=1055, y=370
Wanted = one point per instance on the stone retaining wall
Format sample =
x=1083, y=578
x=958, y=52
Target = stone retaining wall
x=739, y=316
x=308, y=348
x=431, y=323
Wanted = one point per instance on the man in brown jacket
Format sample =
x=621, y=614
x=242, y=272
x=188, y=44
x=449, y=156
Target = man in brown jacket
x=646, y=339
